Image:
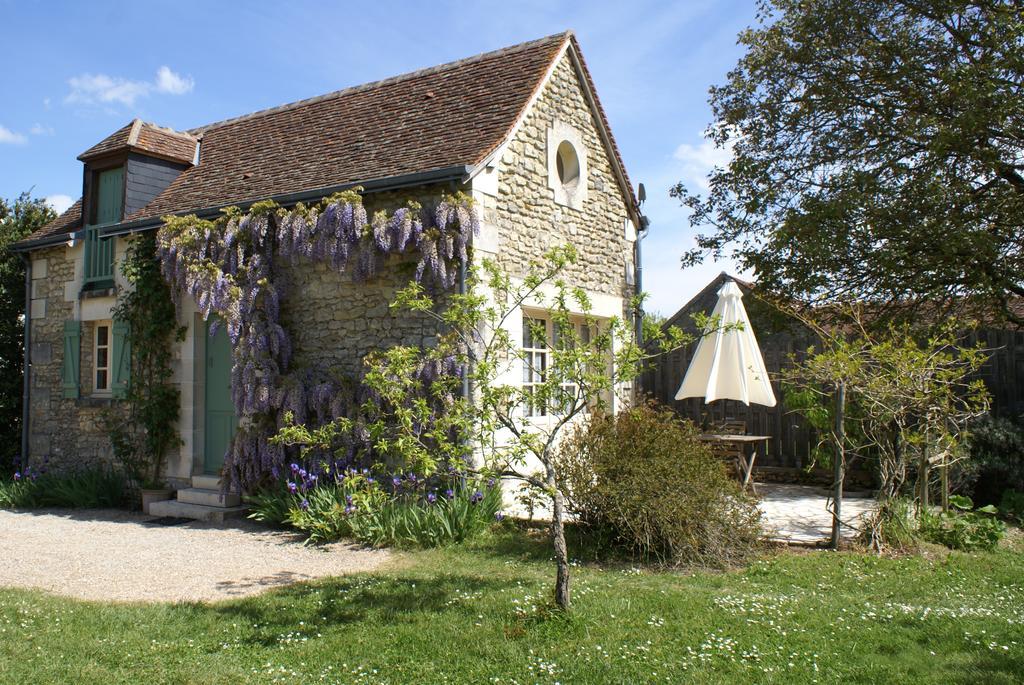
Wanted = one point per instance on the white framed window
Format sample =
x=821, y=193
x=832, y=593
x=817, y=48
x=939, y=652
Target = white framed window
x=101, y=353
x=536, y=355
x=540, y=339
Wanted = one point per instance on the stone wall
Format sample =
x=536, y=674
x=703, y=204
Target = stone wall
x=335, y=321
x=529, y=220
x=65, y=431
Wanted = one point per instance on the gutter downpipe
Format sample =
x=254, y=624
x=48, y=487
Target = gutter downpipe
x=639, y=278
x=25, y=381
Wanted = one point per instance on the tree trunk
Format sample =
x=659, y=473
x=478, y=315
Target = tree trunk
x=558, y=540
x=837, y=467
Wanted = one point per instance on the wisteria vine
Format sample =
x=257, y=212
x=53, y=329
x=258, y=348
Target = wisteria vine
x=235, y=267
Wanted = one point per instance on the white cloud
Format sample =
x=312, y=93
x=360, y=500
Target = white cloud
x=10, y=137
x=174, y=84
x=699, y=160
x=92, y=89
x=60, y=203
x=46, y=103
x=40, y=130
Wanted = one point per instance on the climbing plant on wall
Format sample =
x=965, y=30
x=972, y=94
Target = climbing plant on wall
x=143, y=429
x=236, y=266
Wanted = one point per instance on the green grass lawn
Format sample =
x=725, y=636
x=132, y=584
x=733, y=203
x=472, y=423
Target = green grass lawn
x=477, y=615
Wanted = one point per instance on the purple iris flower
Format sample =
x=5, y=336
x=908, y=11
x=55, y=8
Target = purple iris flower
x=490, y=483
x=449, y=493
x=17, y=475
x=304, y=504
x=476, y=497
x=396, y=481
x=431, y=498
x=302, y=473
x=292, y=487
x=499, y=516
x=295, y=468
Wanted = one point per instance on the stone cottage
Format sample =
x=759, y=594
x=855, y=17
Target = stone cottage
x=519, y=130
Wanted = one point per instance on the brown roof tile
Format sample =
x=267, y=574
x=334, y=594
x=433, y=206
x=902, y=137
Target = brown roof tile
x=144, y=137
x=447, y=116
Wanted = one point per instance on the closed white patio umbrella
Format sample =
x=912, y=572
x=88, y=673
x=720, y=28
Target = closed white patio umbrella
x=728, y=364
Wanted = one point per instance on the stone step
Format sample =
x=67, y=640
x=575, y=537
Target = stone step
x=209, y=498
x=206, y=482
x=198, y=512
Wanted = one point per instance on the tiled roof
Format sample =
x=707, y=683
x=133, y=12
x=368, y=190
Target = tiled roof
x=447, y=116
x=148, y=138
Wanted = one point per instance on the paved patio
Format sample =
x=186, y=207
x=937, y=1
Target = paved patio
x=798, y=514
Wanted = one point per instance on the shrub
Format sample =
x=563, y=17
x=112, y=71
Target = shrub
x=894, y=525
x=357, y=507
x=963, y=529
x=996, y=461
x=89, y=488
x=644, y=482
x=1012, y=505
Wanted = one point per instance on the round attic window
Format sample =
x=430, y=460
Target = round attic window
x=567, y=162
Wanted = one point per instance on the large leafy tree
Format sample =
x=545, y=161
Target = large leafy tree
x=17, y=219
x=878, y=154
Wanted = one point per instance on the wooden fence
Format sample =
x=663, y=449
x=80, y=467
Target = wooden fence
x=792, y=439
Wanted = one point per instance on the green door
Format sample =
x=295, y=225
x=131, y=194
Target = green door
x=220, y=411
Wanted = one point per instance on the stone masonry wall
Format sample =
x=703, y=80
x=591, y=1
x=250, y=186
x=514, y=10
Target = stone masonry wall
x=529, y=220
x=335, y=321
x=67, y=432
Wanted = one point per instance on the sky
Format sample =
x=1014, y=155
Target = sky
x=76, y=72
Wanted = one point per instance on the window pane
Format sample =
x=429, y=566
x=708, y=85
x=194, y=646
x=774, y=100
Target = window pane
x=101, y=379
x=101, y=358
x=101, y=335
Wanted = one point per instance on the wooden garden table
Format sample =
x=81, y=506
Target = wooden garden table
x=742, y=441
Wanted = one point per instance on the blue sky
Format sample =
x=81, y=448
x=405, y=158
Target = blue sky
x=76, y=72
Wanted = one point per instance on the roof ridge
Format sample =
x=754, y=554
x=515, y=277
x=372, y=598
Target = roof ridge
x=199, y=130
x=133, y=135
x=169, y=131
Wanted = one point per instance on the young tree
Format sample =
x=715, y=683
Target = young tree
x=906, y=402
x=586, y=363
x=877, y=154
x=18, y=219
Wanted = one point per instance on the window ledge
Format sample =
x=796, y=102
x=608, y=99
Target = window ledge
x=98, y=289
x=96, y=401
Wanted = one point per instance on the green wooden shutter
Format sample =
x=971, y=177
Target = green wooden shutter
x=110, y=196
x=72, y=355
x=121, y=368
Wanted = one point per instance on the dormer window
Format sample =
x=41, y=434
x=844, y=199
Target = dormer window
x=107, y=205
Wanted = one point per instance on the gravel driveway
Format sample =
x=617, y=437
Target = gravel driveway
x=117, y=555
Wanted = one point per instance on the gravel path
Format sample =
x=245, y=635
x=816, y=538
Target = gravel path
x=117, y=555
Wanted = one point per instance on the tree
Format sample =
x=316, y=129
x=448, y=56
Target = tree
x=878, y=154
x=903, y=401
x=588, y=360
x=18, y=219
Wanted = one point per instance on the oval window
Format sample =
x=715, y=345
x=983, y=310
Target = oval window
x=568, y=165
